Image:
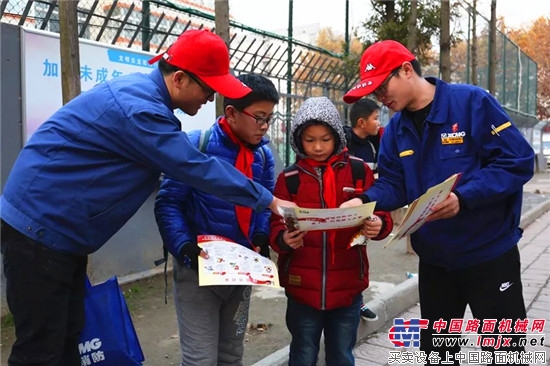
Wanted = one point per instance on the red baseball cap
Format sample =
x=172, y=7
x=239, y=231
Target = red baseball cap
x=205, y=55
x=377, y=62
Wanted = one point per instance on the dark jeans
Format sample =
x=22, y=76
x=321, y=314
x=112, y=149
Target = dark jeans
x=45, y=290
x=485, y=287
x=306, y=325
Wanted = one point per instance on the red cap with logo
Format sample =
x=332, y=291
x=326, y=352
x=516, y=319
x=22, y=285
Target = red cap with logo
x=377, y=62
x=205, y=55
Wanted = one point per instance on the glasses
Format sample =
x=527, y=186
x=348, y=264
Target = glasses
x=205, y=88
x=260, y=120
x=382, y=89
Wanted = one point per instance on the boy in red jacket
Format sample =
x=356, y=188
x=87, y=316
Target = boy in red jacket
x=323, y=278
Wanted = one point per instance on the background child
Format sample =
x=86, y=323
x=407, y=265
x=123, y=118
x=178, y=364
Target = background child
x=323, y=278
x=363, y=138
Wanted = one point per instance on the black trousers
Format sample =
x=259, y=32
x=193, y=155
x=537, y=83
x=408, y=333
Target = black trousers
x=45, y=291
x=492, y=289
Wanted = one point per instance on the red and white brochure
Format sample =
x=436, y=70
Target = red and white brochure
x=421, y=208
x=230, y=263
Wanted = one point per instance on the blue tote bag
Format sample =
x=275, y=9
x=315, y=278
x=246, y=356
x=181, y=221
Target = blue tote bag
x=108, y=337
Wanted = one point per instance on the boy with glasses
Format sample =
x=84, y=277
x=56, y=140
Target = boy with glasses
x=468, y=252
x=212, y=319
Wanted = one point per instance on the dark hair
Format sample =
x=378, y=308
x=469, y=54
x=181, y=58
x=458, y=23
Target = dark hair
x=416, y=67
x=165, y=68
x=263, y=89
x=363, y=108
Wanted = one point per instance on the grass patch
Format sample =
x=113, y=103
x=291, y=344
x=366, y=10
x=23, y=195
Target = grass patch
x=7, y=321
x=134, y=290
x=138, y=292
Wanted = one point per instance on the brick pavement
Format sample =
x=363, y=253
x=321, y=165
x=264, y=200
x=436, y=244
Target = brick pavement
x=535, y=258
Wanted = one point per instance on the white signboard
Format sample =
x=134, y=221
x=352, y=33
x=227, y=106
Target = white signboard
x=41, y=76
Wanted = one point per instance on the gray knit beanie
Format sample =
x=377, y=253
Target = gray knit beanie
x=317, y=109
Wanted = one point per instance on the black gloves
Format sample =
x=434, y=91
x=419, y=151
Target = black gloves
x=189, y=255
x=261, y=241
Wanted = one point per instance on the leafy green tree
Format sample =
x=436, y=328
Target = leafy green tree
x=390, y=20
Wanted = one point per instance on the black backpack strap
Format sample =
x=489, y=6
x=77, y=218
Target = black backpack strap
x=357, y=173
x=158, y=262
x=292, y=179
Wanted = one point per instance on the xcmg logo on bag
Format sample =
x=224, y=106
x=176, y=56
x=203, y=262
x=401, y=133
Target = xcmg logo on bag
x=406, y=333
x=90, y=352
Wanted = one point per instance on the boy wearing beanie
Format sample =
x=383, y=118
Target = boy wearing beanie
x=323, y=277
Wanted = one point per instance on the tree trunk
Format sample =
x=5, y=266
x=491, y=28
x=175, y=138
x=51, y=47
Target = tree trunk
x=411, y=40
x=492, y=46
x=221, y=8
x=445, y=42
x=390, y=9
x=473, y=47
x=69, y=49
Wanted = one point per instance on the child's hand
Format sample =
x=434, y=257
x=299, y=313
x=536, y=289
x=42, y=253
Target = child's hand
x=294, y=239
x=372, y=226
x=352, y=203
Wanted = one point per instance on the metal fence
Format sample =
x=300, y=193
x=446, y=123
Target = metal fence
x=154, y=25
x=515, y=72
x=299, y=70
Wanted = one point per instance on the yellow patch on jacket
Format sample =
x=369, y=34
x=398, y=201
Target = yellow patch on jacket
x=295, y=280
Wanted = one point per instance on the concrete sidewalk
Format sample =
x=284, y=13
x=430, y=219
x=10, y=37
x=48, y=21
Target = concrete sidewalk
x=402, y=301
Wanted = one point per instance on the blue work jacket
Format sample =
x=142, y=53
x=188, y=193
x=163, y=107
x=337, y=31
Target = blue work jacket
x=467, y=132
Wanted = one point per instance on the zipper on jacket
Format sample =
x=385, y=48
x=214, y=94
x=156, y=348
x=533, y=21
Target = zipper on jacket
x=324, y=273
x=324, y=245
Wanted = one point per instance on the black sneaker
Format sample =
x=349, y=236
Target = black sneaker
x=367, y=314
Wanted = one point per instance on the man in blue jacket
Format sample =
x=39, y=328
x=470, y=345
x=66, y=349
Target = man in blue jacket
x=468, y=252
x=88, y=169
x=213, y=319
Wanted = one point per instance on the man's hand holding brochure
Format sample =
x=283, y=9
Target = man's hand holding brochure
x=421, y=208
